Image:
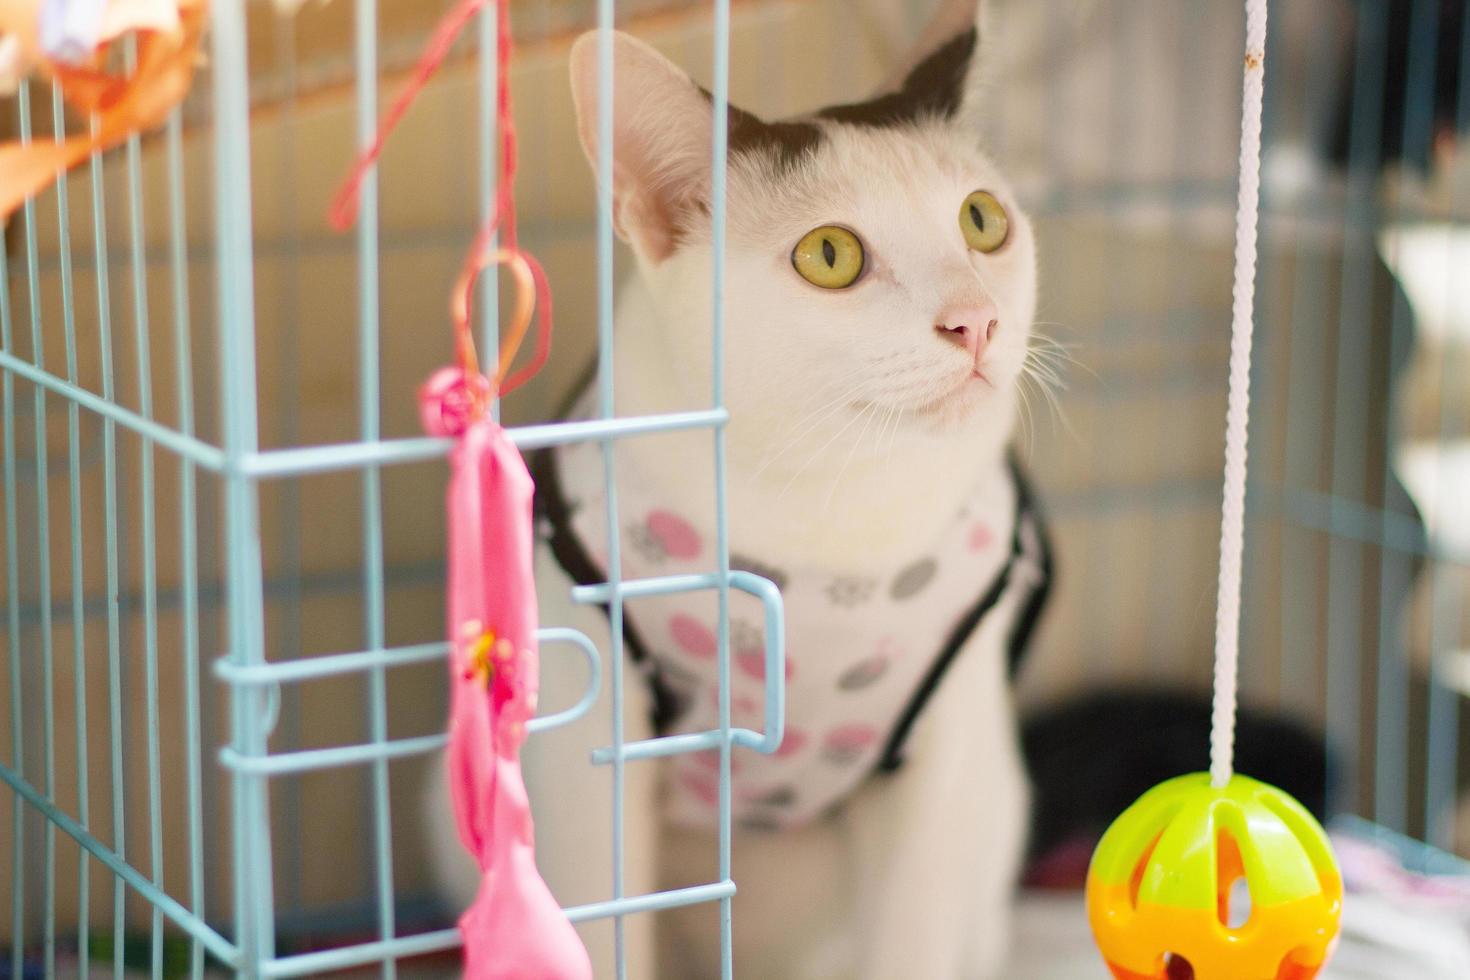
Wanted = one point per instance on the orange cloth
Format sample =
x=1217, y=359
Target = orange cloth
x=122, y=105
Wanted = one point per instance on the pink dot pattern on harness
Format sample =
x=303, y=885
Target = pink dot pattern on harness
x=678, y=537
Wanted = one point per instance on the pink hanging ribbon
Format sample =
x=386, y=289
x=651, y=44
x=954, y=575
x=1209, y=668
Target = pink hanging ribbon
x=515, y=929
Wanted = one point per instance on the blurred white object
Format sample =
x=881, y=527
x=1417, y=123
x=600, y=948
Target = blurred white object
x=71, y=29
x=1453, y=670
x=1437, y=476
x=1291, y=170
x=13, y=65
x=1429, y=261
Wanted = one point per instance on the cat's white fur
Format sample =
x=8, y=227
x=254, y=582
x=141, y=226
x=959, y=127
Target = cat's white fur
x=913, y=878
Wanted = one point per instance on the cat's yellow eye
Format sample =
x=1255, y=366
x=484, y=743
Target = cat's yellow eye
x=984, y=222
x=829, y=256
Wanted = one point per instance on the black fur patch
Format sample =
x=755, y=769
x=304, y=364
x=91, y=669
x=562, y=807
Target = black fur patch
x=788, y=142
x=933, y=89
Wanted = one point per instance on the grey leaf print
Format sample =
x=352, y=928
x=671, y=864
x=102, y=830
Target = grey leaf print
x=850, y=592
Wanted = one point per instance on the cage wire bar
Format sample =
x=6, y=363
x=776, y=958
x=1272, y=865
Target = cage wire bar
x=253, y=682
x=1447, y=633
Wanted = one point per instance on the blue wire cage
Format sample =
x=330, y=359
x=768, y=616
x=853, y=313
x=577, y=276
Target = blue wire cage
x=223, y=547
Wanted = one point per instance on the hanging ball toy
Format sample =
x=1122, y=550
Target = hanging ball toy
x=1160, y=886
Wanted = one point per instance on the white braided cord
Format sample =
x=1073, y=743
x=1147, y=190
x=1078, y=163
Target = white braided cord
x=1232, y=518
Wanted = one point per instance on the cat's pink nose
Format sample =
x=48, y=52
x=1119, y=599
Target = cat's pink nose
x=970, y=327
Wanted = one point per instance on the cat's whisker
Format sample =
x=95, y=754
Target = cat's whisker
x=817, y=455
x=883, y=432
x=890, y=419
x=1025, y=406
x=870, y=412
x=1046, y=376
x=1055, y=353
x=1048, y=383
x=1046, y=360
x=815, y=395
x=1044, y=400
x=893, y=436
x=890, y=431
x=1059, y=356
x=810, y=428
x=807, y=425
x=1061, y=416
x=1045, y=365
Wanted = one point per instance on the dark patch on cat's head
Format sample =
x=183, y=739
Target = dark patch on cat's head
x=787, y=142
x=934, y=89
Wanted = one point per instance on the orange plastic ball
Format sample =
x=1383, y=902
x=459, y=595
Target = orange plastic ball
x=1160, y=885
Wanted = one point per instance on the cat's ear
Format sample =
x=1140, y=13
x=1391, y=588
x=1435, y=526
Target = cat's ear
x=941, y=66
x=660, y=139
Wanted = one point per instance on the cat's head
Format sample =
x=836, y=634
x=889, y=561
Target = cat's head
x=877, y=260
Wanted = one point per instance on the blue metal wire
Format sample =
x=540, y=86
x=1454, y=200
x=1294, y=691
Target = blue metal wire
x=74, y=489
x=328, y=666
x=1300, y=668
x=389, y=452
x=109, y=484
x=12, y=594
x=1446, y=626
x=43, y=559
x=719, y=150
x=187, y=446
x=1343, y=694
x=143, y=354
x=585, y=646
x=368, y=386
x=188, y=533
x=605, y=374
x=124, y=874
x=1391, y=720
x=288, y=605
x=254, y=902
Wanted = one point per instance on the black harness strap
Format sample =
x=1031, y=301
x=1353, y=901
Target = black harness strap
x=1031, y=610
x=1027, y=515
x=552, y=507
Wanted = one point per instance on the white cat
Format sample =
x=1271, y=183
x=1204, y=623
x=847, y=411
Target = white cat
x=880, y=289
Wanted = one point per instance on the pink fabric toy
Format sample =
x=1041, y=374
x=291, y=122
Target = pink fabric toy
x=515, y=930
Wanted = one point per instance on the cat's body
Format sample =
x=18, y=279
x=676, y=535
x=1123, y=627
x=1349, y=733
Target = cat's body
x=911, y=874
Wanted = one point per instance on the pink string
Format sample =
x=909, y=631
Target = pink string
x=502, y=219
